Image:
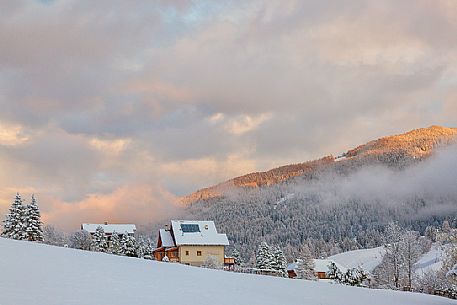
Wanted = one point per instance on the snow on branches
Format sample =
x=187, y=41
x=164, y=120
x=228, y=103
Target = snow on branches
x=23, y=222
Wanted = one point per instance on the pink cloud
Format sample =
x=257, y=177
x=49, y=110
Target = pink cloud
x=138, y=204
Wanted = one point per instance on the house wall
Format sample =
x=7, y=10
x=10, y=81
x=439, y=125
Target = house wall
x=194, y=260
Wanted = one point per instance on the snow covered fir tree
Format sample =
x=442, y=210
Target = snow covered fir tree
x=264, y=257
x=236, y=255
x=128, y=245
x=33, y=222
x=271, y=260
x=23, y=222
x=14, y=224
x=99, y=241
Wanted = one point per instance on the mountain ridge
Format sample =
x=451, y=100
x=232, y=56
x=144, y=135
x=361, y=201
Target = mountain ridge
x=403, y=148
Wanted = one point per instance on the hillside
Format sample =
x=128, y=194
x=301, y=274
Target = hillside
x=345, y=204
x=368, y=259
x=45, y=275
x=397, y=150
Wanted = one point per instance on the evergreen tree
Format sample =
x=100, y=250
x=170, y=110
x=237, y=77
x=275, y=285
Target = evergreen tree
x=237, y=257
x=14, y=224
x=334, y=273
x=144, y=246
x=128, y=245
x=33, y=222
x=99, y=242
x=305, y=265
x=115, y=244
x=354, y=277
x=264, y=257
x=279, y=262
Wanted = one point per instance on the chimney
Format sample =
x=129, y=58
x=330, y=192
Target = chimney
x=167, y=227
x=106, y=223
x=206, y=227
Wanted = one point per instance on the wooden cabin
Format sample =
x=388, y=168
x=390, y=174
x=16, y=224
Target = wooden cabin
x=229, y=263
x=190, y=242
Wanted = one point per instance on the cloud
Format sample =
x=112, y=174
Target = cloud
x=431, y=182
x=246, y=123
x=11, y=135
x=140, y=204
x=98, y=96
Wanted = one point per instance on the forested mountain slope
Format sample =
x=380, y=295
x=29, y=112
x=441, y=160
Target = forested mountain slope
x=340, y=204
x=396, y=151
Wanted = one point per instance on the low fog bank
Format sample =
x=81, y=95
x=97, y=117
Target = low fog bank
x=431, y=180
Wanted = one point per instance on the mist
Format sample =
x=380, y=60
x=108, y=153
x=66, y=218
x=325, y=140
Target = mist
x=432, y=180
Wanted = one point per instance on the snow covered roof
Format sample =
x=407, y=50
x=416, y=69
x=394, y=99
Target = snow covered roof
x=166, y=238
x=109, y=228
x=367, y=259
x=191, y=232
x=292, y=267
x=321, y=265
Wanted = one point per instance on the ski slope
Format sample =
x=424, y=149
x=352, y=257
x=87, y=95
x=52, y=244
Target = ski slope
x=368, y=259
x=38, y=274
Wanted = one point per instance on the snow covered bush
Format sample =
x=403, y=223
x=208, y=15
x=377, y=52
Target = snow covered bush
x=80, y=240
x=53, y=236
x=212, y=262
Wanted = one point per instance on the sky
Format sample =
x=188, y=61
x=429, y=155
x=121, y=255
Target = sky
x=110, y=110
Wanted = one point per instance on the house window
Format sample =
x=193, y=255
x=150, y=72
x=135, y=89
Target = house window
x=199, y=253
x=187, y=252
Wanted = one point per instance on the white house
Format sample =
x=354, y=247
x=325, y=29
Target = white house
x=190, y=242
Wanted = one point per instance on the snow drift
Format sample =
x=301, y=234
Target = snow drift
x=44, y=275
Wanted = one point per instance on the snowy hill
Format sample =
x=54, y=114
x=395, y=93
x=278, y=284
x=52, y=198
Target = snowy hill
x=44, y=275
x=430, y=261
x=368, y=259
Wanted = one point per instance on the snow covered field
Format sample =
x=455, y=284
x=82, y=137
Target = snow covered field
x=430, y=261
x=368, y=259
x=38, y=274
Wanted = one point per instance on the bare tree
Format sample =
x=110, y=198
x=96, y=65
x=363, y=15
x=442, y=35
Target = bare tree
x=411, y=252
x=80, y=240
